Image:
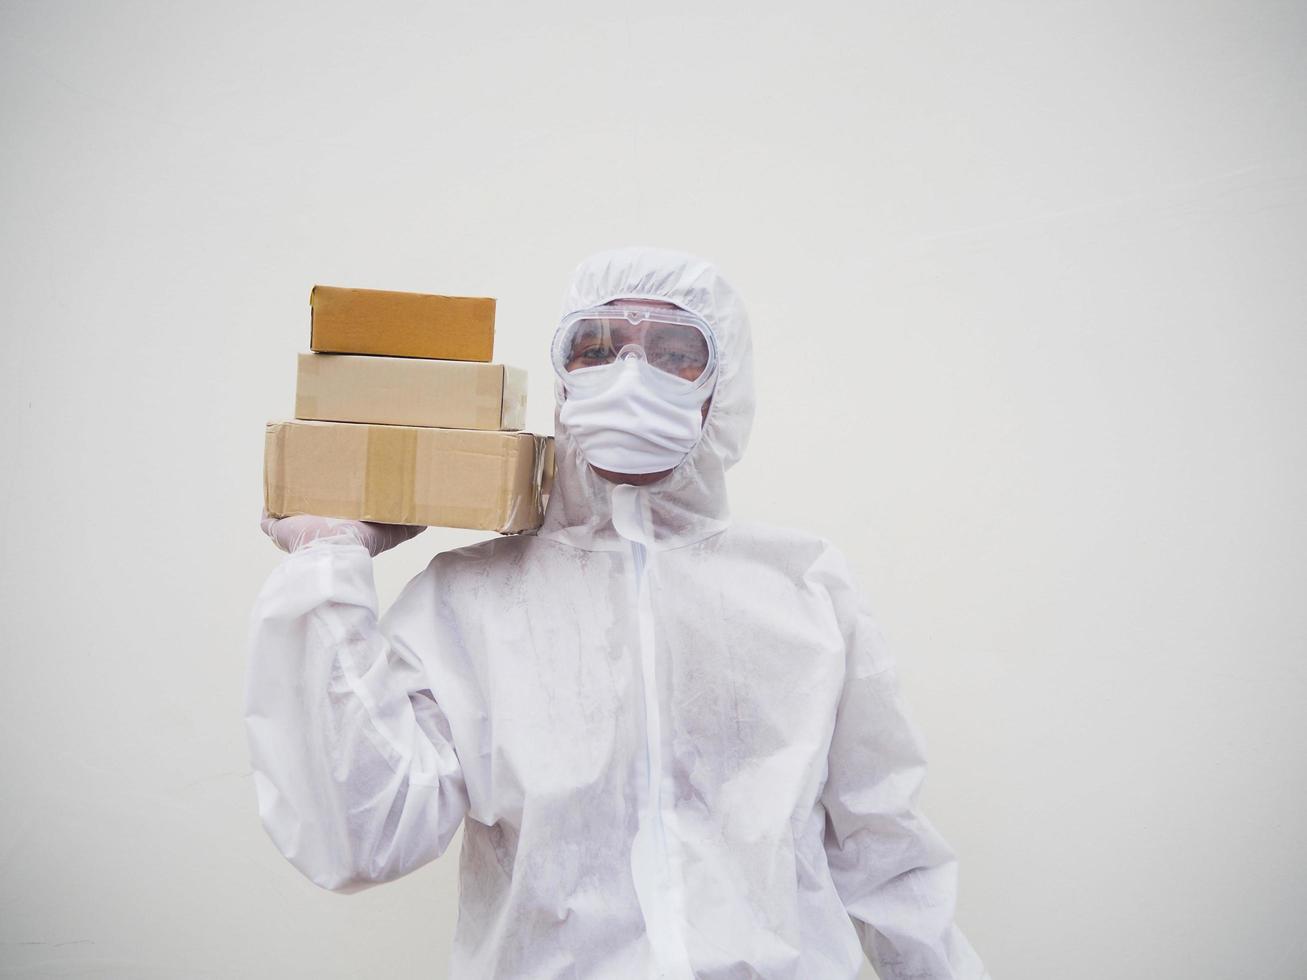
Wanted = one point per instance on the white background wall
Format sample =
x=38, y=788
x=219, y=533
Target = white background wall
x=1027, y=281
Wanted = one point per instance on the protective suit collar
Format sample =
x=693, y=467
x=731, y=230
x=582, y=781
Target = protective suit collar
x=689, y=504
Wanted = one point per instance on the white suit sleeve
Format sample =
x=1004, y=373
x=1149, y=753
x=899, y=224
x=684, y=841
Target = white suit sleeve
x=353, y=761
x=894, y=872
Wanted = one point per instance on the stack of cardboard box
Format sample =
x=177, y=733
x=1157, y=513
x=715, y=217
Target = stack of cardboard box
x=400, y=418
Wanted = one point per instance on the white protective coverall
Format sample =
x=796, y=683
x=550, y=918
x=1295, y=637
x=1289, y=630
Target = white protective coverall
x=675, y=743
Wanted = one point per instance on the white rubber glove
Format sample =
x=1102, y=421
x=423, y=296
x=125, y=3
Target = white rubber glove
x=297, y=531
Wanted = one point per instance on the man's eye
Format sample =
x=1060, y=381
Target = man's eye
x=678, y=359
x=595, y=353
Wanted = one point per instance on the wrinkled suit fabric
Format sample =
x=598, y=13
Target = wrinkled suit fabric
x=675, y=743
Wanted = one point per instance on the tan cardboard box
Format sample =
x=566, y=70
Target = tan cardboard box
x=410, y=391
x=400, y=474
x=379, y=321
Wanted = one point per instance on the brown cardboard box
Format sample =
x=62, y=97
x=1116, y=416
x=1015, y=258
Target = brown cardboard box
x=410, y=391
x=379, y=321
x=400, y=474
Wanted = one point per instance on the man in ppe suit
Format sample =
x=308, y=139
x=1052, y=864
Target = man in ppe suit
x=675, y=743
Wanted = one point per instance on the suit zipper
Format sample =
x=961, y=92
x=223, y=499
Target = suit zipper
x=653, y=757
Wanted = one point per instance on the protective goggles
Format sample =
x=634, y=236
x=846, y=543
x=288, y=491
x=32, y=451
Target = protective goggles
x=678, y=344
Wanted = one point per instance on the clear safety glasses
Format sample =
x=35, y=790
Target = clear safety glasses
x=679, y=344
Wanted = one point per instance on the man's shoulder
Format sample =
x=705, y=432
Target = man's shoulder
x=505, y=548
x=779, y=545
x=769, y=533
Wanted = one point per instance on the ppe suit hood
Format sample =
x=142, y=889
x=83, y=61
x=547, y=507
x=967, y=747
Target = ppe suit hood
x=690, y=503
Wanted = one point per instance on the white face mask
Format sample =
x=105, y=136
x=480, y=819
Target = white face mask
x=632, y=425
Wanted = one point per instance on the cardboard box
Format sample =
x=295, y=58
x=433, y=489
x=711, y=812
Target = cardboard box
x=410, y=391
x=378, y=321
x=401, y=474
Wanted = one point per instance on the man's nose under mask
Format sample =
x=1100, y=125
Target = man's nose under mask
x=631, y=426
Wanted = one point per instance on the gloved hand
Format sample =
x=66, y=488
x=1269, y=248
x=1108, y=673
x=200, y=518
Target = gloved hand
x=293, y=533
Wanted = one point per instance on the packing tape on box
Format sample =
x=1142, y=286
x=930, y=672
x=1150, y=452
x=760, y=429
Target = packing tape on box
x=547, y=477
x=307, y=384
x=391, y=469
x=471, y=518
x=537, y=471
x=490, y=384
x=538, y=474
x=488, y=395
x=540, y=446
